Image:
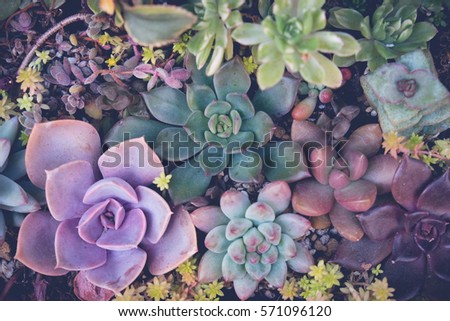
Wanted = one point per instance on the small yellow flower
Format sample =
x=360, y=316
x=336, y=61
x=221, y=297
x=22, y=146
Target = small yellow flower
x=162, y=182
x=213, y=289
x=44, y=56
x=151, y=55
x=289, y=290
x=26, y=102
x=187, y=270
x=31, y=80
x=158, y=289
x=111, y=62
x=6, y=106
x=381, y=290
x=104, y=39
x=131, y=294
x=250, y=65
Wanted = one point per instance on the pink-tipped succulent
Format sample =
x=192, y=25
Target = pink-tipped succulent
x=415, y=231
x=345, y=181
x=103, y=220
x=248, y=243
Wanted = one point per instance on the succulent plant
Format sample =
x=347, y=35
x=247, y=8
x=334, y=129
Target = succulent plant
x=97, y=23
x=16, y=193
x=102, y=221
x=292, y=38
x=220, y=119
x=64, y=74
x=23, y=22
x=218, y=19
x=345, y=180
x=408, y=95
x=113, y=96
x=414, y=232
x=172, y=77
x=74, y=99
x=392, y=31
x=248, y=243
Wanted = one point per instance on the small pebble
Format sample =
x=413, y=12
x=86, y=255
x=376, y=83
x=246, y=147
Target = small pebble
x=373, y=113
x=324, y=239
x=322, y=232
x=319, y=246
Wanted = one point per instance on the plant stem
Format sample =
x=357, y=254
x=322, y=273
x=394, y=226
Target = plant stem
x=48, y=34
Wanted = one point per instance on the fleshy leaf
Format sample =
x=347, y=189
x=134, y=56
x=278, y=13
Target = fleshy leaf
x=257, y=271
x=65, y=189
x=245, y=287
x=312, y=198
x=245, y=167
x=182, y=178
x=302, y=260
x=119, y=271
x=277, y=275
x=305, y=132
x=167, y=105
x=231, y=270
x=157, y=212
x=358, y=196
x=178, y=243
x=405, y=248
x=199, y=96
x=405, y=277
x=210, y=267
x=231, y=78
x=132, y=160
x=293, y=225
x=237, y=251
x=11, y=193
x=72, y=252
x=207, y=217
x=234, y=204
x=362, y=255
x=411, y=177
x=128, y=236
x=346, y=223
x=381, y=172
x=36, y=243
x=366, y=139
x=259, y=213
x=112, y=187
x=277, y=195
x=58, y=142
x=237, y=227
x=382, y=222
x=216, y=241
x=435, y=198
x=156, y=25
x=278, y=100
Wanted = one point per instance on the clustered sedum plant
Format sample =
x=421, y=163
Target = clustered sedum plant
x=293, y=38
x=391, y=31
x=248, y=243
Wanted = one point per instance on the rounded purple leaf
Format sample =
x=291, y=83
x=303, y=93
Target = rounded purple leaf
x=36, y=243
x=381, y=172
x=436, y=197
x=208, y=217
x=119, y=271
x=178, y=243
x=113, y=187
x=88, y=291
x=72, y=252
x=366, y=139
x=65, y=189
x=410, y=179
x=346, y=223
x=322, y=163
x=58, y=142
x=133, y=161
x=382, y=222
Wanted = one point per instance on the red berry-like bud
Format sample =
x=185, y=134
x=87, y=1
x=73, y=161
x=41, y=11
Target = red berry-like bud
x=325, y=95
x=346, y=74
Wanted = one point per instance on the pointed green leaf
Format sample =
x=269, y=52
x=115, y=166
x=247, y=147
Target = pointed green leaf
x=231, y=78
x=173, y=144
x=270, y=73
x=345, y=18
x=182, y=188
x=213, y=160
x=249, y=34
x=167, y=105
x=261, y=126
x=199, y=96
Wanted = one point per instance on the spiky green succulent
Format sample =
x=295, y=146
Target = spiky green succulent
x=218, y=19
x=391, y=31
x=292, y=38
x=408, y=95
x=248, y=243
x=15, y=188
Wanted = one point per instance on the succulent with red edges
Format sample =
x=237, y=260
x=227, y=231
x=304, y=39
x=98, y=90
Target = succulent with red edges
x=414, y=232
x=103, y=220
x=248, y=243
x=344, y=181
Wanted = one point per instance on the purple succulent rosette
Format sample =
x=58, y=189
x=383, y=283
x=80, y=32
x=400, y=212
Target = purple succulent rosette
x=414, y=232
x=248, y=243
x=103, y=220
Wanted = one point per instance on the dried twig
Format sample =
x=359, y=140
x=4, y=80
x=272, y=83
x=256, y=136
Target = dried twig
x=42, y=39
